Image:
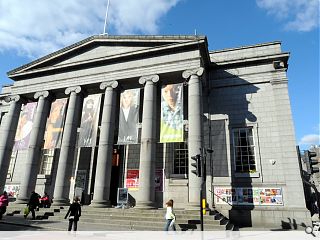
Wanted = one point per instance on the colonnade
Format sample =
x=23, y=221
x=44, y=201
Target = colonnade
x=146, y=193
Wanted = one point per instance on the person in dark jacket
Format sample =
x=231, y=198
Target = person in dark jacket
x=75, y=213
x=33, y=203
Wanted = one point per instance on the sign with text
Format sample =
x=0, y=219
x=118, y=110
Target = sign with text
x=248, y=196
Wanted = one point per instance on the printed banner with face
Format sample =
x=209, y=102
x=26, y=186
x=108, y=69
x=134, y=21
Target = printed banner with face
x=171, y=128
x=89, y=121
x=55, y=123
x=129, y=117
x=24, y=128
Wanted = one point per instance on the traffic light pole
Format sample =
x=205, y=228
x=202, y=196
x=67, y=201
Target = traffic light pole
x=202, y=188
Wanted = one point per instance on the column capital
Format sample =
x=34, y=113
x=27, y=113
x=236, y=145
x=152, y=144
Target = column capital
x=12, y=98
x=76, y=89
x=196, y=71
x=44, y=94
x=107, y=84
x=154, y=78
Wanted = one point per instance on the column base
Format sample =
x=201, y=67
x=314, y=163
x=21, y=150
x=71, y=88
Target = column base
x=101, y=204
x=60, y=202
x=22, y=201
x=145, y=205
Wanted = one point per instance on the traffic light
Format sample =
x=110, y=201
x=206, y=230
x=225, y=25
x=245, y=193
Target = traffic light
x=310, y=161
x=197, y=165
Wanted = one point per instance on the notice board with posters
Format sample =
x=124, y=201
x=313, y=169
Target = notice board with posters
x=132, y=180
x=248, y=196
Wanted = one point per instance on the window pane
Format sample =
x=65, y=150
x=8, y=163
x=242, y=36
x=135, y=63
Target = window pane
x=244, y=150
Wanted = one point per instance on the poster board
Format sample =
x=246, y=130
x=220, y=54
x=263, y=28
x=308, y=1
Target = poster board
x=249, y=196
x=122, y=196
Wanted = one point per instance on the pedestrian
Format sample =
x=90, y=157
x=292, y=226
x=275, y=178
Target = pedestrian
x=3, y=203
x=75, y=213
x=170, y=216
x=33, y=204
x=45, y=201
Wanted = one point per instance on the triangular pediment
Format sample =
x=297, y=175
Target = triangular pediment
x=99, y=48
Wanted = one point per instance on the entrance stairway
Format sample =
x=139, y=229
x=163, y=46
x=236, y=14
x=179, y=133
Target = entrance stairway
x=131, y=219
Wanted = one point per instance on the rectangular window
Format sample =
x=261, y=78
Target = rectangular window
x=180, y=162
x=46, y=161
x=244, y=150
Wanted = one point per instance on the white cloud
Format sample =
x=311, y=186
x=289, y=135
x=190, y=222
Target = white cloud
x=299, y=15
x=38, y=27
x=311, y=139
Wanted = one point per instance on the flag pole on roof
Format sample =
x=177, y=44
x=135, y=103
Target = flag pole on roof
x=106, y=19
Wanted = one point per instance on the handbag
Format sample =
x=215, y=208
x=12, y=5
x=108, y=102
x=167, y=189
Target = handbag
x=26, y=211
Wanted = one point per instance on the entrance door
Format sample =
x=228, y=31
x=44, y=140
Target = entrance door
x=115, y=177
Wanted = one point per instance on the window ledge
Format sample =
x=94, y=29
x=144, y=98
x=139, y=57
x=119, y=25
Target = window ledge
x=247, y=175
x=43, y=176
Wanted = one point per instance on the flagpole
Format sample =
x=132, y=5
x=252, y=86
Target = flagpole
x=106, y=18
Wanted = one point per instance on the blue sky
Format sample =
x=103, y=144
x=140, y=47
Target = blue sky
x=32, y=28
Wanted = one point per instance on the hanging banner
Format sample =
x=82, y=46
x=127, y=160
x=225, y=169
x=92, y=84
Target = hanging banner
x=54, y=129
x=129, y=117
x=89, y=121
x=24, y=128
x=171, y=128
x=248, y=196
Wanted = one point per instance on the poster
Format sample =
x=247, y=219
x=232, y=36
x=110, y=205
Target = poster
x=12, y=190
x=171, y=126
x=129, y=117
x=248, y=196
x=132, y=180
x=23, y=133
x=89, y=121
x=55, y=122
x=122, y=196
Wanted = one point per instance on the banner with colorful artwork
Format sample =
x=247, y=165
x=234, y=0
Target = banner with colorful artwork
x=55, y=122
x=24, y=128
x=171, y=126
x=132, y=180
x=248, y=196
x=89, y=121
x=12, y=190
x=129, y=117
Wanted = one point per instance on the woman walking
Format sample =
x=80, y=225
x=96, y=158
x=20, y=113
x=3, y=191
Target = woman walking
x=75, y=213
x=170, y=216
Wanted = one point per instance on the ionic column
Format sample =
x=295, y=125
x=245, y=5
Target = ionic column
x=64, y=171
x=146, y=194
x=104, y=159
x=7, y=134
x=195, y=134
x=31, y=169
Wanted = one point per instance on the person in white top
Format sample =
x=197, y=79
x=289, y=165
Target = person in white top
x=170, y=216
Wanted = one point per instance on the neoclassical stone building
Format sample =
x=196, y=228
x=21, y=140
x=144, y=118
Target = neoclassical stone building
x=235, y=101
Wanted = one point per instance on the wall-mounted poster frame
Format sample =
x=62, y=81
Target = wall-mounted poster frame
x=268, y=196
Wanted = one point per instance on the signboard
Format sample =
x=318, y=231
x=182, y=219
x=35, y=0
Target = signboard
x=122, y=197
x=248, y=196
x=132, y=180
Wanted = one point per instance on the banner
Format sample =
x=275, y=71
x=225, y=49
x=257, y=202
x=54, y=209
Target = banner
x=248, y=196
x=24, y=128
x=171, y=128
x=129, y=117
x=55, y=123
x=89, y=121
